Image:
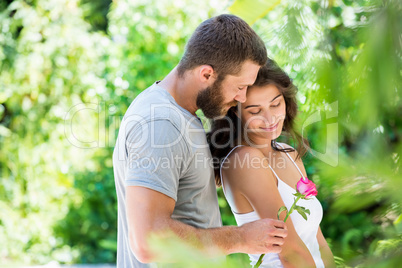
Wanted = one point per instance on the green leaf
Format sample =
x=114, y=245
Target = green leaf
x=302, y=212
x=109, y=244
x=307, y=211
x=251, y=11
x=398, y=224
x=297, y=194
x=281, y=209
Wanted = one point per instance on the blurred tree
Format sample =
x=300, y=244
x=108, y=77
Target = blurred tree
x=95, y=13
x=68, y=72
x=63, y=90
x=49, y=63
x=4, y=4
x=345, y=58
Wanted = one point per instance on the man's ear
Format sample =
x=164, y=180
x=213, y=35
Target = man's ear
x=207, y=74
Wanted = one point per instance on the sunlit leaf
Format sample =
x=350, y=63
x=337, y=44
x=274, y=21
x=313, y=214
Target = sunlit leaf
x=251, y=11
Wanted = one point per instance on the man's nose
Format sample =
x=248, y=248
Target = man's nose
x=241, y=95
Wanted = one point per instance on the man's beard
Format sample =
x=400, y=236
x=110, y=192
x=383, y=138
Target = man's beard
x=211, y=101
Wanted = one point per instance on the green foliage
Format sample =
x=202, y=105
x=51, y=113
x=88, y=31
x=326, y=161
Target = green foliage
x=251, y=11
x=95, y=12
x=68, y=72
x=63, y=90
x=345, y=58
x=49, y=63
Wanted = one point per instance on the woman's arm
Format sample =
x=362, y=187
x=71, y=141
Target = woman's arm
x=326, y=253
x=251, y=178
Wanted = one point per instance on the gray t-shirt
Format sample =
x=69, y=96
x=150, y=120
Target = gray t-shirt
x=162, y=146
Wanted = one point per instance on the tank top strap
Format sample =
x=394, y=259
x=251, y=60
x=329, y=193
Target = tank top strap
x=291, y=159
x=276, y=175
x=224, y=159
x=220, y=168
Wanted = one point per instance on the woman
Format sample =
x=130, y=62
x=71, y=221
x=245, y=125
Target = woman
x=258, y=174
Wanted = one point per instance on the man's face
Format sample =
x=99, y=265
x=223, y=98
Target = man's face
x=216, y=100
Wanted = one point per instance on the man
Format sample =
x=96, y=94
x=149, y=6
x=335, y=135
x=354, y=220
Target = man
x=162, y=163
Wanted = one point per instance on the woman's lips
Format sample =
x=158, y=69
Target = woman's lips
x=270, y=129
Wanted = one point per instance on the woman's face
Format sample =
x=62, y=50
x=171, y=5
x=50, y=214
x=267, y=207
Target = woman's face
x=263, y=113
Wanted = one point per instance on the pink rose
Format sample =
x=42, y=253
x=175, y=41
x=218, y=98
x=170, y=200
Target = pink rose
x=306, y=187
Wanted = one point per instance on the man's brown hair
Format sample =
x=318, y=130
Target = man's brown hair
x=223, y=42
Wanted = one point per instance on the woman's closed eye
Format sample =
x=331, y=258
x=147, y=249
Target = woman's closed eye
x=255, y=112
x=276, y=105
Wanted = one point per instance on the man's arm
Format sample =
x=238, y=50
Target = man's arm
x=149, y=212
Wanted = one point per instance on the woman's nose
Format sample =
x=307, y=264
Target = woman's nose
x=269, y=118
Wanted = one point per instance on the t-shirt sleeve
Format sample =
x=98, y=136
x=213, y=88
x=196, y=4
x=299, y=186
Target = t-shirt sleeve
x=157, y=153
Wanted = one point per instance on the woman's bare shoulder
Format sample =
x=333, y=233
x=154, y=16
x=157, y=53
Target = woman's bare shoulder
x=245, y=151
x=246, y=161
x=242, y=156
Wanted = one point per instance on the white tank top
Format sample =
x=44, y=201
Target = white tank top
x=307, y=230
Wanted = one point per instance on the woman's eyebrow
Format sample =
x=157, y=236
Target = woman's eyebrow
x=276, y=97
x=250, y=106
x=257, y=105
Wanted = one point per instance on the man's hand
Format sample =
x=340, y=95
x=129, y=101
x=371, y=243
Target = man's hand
x=263, y=236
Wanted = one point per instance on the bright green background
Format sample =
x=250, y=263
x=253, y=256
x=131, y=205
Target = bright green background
x=69, y=70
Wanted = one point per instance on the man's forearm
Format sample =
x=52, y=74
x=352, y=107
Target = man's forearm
x=262, y=236
x=214, y=241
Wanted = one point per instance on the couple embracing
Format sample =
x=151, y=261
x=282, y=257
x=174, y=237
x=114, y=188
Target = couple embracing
x=165, y=182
